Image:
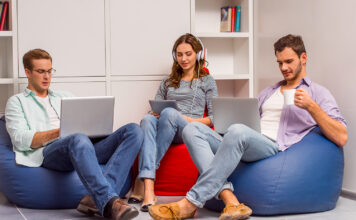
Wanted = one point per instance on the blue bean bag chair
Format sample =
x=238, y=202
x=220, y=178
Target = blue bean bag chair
x=38, y=187
x=305, y=178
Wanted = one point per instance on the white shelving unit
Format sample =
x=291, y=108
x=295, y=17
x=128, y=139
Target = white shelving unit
x=8, y=57
x=229, y=55
x=96, y=49
x=92, y=56
x=6, y=34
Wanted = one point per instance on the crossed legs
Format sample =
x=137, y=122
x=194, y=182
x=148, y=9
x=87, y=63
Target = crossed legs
x=216, y=158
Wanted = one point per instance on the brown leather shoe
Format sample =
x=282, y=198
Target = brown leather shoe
x=169, y=211
x=87, y=206
x=235, y=212
x=122, y=211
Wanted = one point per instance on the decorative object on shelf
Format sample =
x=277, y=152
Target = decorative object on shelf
x=230, y=19
x=3, y=15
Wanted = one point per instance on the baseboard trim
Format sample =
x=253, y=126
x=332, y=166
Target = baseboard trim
x=348, y=194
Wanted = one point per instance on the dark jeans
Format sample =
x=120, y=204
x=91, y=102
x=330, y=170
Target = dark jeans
x=77, y=152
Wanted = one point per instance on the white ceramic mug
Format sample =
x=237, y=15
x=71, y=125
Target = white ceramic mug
x=289, y=96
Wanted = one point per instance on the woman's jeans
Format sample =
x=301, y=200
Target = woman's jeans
x=217, y=157
x=159, y=135
x=77, y=152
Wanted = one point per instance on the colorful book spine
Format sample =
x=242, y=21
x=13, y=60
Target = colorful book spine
x=3, y=15
x=1, y=6
x=233, y=14
x=237, y=18
x=224, y=19
x=229, y=20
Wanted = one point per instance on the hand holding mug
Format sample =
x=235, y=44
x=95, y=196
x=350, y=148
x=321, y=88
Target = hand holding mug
x=302, y=99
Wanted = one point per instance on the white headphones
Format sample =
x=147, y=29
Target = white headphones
x=199, y=57
x=200, y=54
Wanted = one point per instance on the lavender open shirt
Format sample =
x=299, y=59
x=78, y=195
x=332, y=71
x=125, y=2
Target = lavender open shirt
x=296, y=122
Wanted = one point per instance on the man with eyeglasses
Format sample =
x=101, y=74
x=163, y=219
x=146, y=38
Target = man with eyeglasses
x=32, y=120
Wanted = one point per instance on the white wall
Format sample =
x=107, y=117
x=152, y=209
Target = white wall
x=100, y=47
x=329, y=31
x=73, y=32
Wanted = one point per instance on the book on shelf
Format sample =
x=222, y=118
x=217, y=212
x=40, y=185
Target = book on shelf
x=233, y=12
x=230, y=19
x=1, y=6
x=224, y=20
x=237, y=18
x=3, y=15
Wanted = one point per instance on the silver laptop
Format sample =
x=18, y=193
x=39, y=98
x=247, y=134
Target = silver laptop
x=158, y=105
x=228, y=111
x=92, y=116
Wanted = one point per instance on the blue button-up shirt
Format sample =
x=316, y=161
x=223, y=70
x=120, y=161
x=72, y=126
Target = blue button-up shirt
x=24, y=117
x=296, y=122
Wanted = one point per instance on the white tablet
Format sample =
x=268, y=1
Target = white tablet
x=158, y=105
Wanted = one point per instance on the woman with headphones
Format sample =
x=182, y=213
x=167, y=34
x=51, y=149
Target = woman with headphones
x=192, y=87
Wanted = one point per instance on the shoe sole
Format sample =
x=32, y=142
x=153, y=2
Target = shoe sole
x=234, y=217
x=134, y=200
x=87, y=210
x=145, y=209
x=128, y=214
x=157, y=217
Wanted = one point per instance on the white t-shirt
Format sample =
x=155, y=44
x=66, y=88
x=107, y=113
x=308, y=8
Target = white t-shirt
x=271, y=114
x=53, y=116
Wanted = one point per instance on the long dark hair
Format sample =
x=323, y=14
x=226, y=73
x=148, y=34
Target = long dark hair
x=176, y=75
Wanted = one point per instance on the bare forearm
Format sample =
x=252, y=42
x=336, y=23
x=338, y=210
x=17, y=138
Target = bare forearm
x=331, y=128
x=43, y=136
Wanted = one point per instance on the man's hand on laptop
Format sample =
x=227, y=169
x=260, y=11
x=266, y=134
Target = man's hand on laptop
x=42, y=137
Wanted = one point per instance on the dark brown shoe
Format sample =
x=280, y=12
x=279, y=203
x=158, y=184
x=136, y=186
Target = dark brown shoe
x=123, y=211
x=87, y=206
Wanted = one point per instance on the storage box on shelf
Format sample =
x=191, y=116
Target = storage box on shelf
x=229, y=54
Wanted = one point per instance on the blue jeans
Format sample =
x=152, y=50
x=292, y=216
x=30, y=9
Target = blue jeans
x=77, y=152
x=159, y=134
x=217, y=157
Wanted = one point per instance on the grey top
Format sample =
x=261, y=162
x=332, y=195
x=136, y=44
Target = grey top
x=204, y=89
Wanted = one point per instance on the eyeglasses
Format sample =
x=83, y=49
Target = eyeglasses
x=42, y=71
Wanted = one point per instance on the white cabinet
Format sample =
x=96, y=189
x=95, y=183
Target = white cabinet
x=123, y=48
x=73, y=32
x=131, y=100
x=77, y=88
x=143, y=33
x=8, y=57
x=230, y=55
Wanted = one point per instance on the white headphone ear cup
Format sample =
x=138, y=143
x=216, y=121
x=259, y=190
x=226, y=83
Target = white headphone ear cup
x=199, y=56
x=174, y=56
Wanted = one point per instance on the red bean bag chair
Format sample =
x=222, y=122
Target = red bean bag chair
x=176, y=173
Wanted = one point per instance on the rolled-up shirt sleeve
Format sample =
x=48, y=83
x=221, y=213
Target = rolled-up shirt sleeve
x=16, y=124
x=327, y=102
